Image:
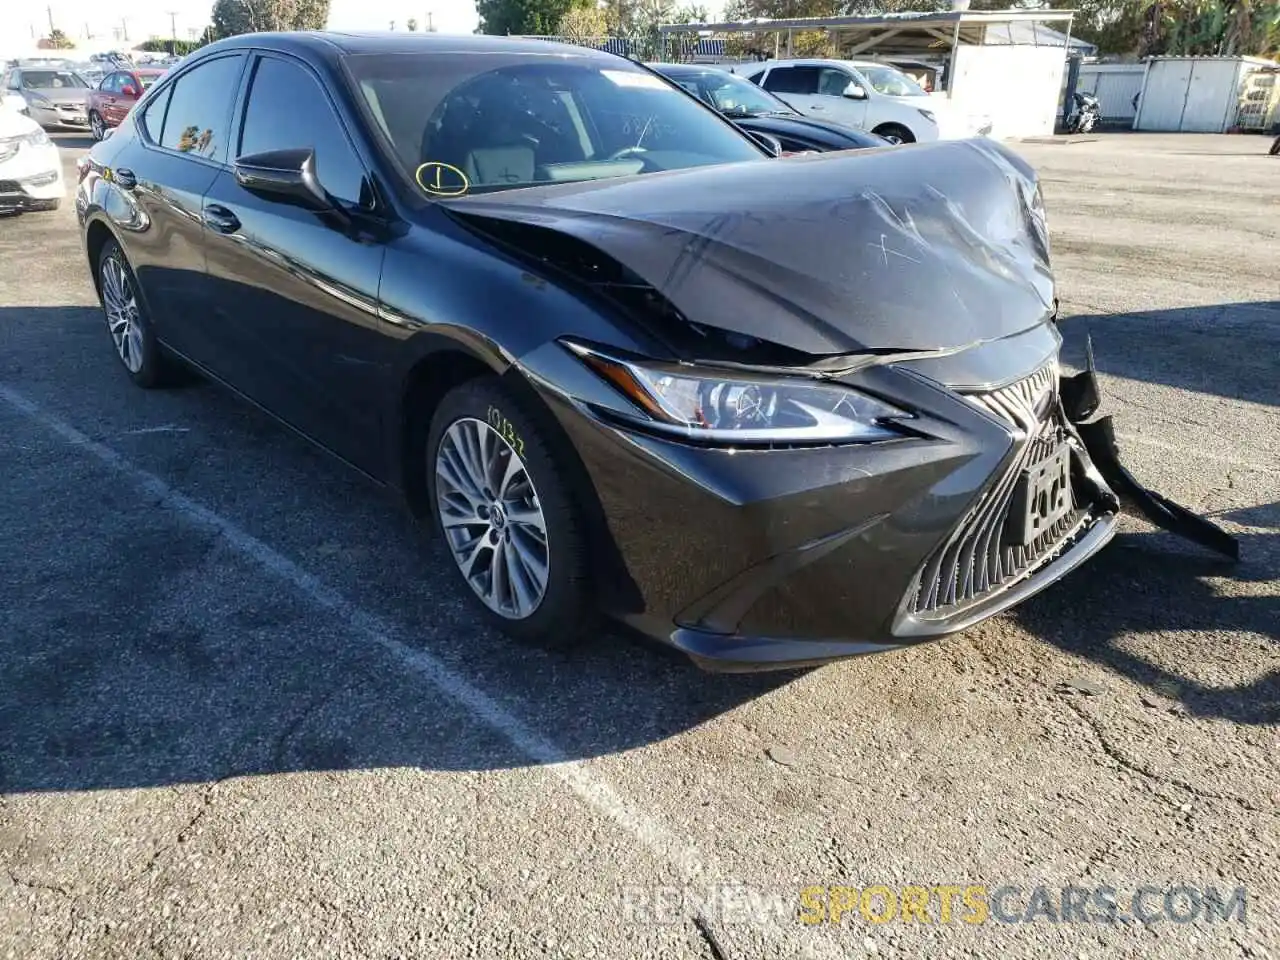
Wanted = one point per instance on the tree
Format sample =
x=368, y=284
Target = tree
x=232, y=17
x=411, y=25
x=523, y=17
x=57, y=40
x=583, y=23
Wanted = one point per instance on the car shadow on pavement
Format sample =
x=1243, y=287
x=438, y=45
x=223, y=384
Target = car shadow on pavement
x=144, y=646
x=1147, y=605
x=1227, y=349
x=72, y=141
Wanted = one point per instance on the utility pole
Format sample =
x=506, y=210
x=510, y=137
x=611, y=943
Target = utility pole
x=430, y=26
x=50, y=11
x=124, y=28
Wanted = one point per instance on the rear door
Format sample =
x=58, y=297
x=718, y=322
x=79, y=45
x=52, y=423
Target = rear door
x=180, y=146
x=108, y=98
x=295, y=292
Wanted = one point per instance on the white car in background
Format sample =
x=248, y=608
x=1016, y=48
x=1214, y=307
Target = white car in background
x=866, y=94
x=30, y=168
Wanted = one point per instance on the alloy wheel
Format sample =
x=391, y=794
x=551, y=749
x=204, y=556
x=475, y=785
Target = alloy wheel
x=492, y=518
x=96, y=125
x=121, y=306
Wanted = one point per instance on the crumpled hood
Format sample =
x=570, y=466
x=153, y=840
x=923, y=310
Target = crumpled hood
x=929, y=247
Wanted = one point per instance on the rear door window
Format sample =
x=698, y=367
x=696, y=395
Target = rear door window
x=793, y=80
x=199, y=114
x=152, y=118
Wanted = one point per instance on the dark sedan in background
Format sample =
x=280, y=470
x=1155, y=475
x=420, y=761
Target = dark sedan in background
x=758, y=111
x=769, y=411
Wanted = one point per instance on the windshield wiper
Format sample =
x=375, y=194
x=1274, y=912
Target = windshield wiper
x=740, y=113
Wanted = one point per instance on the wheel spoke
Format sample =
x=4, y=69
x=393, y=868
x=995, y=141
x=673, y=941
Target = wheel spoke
x=529, y=518
x=524, y=593
x=450, y=468
x=514, y=468
x=499, y=580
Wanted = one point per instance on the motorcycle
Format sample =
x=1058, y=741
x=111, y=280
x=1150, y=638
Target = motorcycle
x=1085, y=116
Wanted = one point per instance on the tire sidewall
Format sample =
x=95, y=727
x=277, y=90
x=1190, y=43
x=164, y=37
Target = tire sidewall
x=565, y=611
x=151, y=372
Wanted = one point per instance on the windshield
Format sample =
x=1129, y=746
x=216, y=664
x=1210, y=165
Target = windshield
x=891, y=82
x=52, y=79
x=731, y=95
x=462, y=123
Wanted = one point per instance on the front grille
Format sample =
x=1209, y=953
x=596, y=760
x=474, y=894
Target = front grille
x=10, y=186
x=976, y=561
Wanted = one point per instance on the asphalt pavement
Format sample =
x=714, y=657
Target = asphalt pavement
x=245, y=710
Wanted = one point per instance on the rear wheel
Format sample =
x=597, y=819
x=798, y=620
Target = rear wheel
x=96, y=125
x=505, y=512
x=136, y=346
x=895, y=133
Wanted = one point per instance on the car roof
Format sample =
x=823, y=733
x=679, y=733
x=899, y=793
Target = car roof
x=825, y=62
x=687, y=68
x=330, y=43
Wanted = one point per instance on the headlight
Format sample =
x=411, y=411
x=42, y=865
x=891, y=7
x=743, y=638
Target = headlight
x=708, y=405
x=39, y=100
x=37, y=138
x=928, y=115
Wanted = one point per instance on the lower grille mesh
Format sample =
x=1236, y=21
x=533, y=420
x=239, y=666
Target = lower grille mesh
x=976, y=561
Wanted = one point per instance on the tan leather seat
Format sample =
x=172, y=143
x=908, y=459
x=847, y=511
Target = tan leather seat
x=500, y=165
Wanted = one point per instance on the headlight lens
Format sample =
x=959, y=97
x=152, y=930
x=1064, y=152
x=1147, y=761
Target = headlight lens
x=711, y=406
x=39, y=100
x=37, y=138
x=927, y=114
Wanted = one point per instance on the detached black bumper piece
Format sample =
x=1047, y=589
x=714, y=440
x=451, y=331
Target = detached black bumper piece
x=1081, y=398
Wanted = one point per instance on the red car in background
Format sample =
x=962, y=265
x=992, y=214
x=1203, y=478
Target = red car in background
x=115, y=97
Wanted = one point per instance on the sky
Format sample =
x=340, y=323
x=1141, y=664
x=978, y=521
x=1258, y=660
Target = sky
x=146, y=18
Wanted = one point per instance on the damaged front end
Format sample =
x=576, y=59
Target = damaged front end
x=861, y=275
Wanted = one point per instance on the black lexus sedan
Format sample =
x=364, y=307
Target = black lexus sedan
x=769, y=411
x=756, y=110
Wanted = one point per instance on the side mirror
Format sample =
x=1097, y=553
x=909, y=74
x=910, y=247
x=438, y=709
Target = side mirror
x=287, y=175
x=771, y=144
x=129, y=90
x=854, y=91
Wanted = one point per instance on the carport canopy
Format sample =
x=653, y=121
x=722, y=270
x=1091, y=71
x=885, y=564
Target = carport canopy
x=906, y=34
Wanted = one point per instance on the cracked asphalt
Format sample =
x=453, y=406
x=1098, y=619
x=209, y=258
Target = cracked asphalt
x=245, y=711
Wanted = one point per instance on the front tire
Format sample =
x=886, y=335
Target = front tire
x=136, y=346
x=505, y=512
x=895, y=133
x=96, y=126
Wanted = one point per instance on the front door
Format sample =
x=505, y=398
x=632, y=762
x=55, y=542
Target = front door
x=295, y=291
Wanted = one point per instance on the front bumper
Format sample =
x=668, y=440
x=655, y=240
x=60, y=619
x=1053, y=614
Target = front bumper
x=749, y=560
x=61, y=115
x=31, y=179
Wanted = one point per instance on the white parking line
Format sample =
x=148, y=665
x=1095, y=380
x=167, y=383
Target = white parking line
x=589, y=786
x=1194, y=452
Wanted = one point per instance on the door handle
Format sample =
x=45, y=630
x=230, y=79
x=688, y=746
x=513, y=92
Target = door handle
x=817, y=106
x=220, y=218
x=123, y=177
